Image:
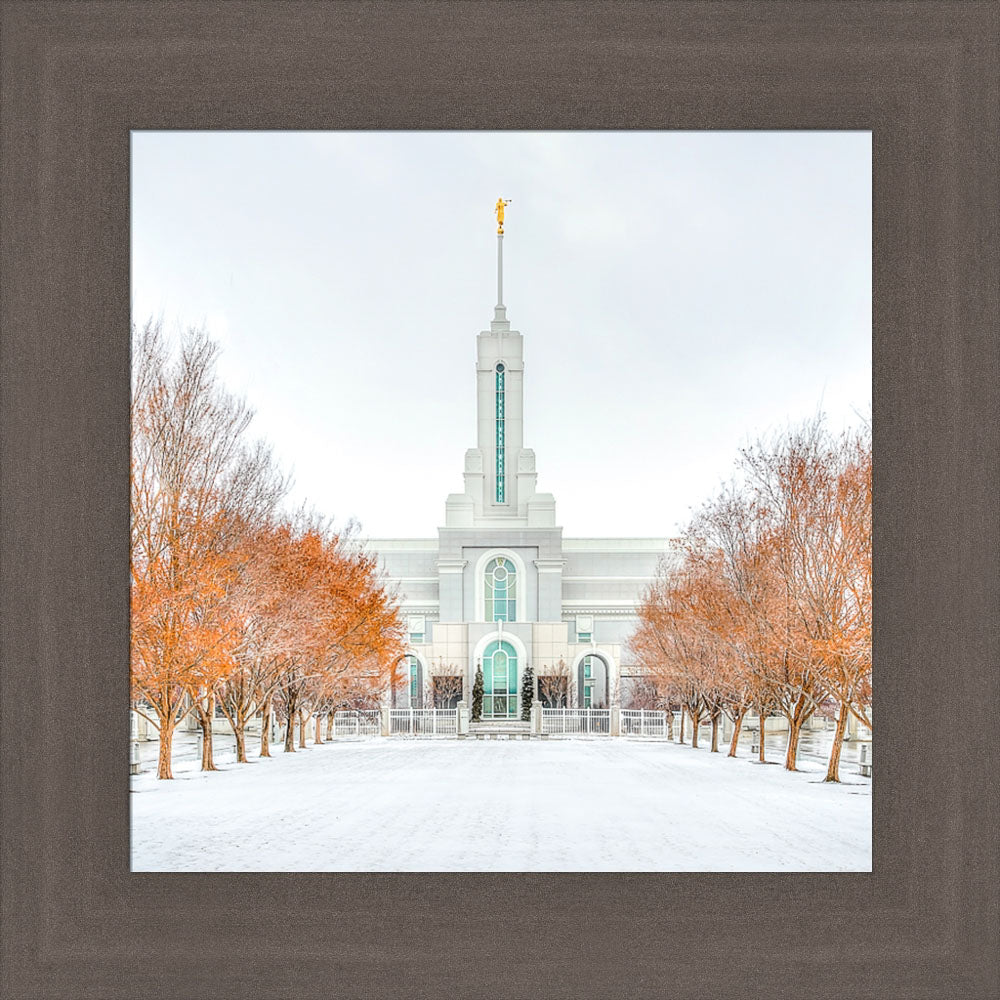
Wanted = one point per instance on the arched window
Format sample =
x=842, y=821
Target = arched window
x=500, y=588
x=501, y=492
x=500, y=681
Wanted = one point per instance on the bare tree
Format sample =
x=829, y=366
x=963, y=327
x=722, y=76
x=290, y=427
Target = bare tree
x=445, y=683
x=554, y=684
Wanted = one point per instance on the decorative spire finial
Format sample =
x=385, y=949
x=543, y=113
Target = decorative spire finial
x=501, y=204
x=500, y=312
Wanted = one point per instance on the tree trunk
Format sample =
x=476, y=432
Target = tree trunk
x=803, y=712
x=682, y=724
x=290, y=730
x=670, y=726
x=760, y=751
x=794, y=728
x=237, y=719
x=205, y=722
x=695, y=721
x=265, y=729
x=163, y=769
x=329, y=725
x=303, y=716
x=833, y=767
x=737, y=726
x=203, y=713
x=241, y=742
x=319, y=730
x=715, y=733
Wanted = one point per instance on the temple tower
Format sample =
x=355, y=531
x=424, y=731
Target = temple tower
x=500, y=473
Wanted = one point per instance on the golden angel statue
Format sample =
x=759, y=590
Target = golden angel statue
x=499, y=210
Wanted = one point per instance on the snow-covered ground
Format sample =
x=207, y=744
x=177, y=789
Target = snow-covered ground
x=595, y=804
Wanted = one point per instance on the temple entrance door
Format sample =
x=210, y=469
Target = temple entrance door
x=500, y=695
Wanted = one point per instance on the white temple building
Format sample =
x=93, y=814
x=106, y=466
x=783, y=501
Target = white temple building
x=499, y=586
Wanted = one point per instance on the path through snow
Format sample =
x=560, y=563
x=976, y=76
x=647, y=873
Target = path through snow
x=501, y=805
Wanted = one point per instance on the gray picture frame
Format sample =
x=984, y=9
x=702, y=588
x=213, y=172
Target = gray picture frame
x=76, y=923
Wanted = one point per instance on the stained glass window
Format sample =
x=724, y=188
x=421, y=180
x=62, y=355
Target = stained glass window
x=500, y=590
x=500, y=471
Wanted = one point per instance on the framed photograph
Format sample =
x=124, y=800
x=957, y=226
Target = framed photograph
x=79, y=82
x=575, y=652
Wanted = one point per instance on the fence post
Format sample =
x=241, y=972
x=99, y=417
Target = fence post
x=434, y=722
x=384, y=713
x=536, y=717
x=357, y=723
x=413, y=730
x=615, y=721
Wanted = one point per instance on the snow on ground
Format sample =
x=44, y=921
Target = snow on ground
x=501, y=805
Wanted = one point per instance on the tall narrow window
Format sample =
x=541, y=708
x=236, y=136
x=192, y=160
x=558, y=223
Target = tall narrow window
x=501, y=492
x=593, y=682
x=415, y=685
x=501, y=590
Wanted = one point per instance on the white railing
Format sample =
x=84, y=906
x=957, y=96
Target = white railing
x=576, y=721
x=350, y=723
x=643, y=722
x=423, y=721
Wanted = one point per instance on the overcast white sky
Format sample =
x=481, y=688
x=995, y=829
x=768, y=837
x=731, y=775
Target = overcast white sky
x=678, y=293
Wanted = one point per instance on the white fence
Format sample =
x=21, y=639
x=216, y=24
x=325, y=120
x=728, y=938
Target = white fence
x=640, y=722
x=555, y=721
x=576, y=721
x=423, y=721
x=350, y=723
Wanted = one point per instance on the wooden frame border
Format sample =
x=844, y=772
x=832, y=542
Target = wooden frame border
x=77, y=77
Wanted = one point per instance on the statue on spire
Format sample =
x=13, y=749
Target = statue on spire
x=501, y=204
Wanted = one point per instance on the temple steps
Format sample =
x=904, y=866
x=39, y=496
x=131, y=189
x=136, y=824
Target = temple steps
x=503, y=729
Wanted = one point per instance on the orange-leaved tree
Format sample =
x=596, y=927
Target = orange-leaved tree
x=194, y=486
x=817, y=490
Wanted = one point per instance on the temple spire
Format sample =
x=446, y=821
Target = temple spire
x=500, y=313
x=500, y=270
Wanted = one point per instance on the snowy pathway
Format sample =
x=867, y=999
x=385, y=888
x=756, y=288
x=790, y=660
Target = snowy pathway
x=503, y=805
